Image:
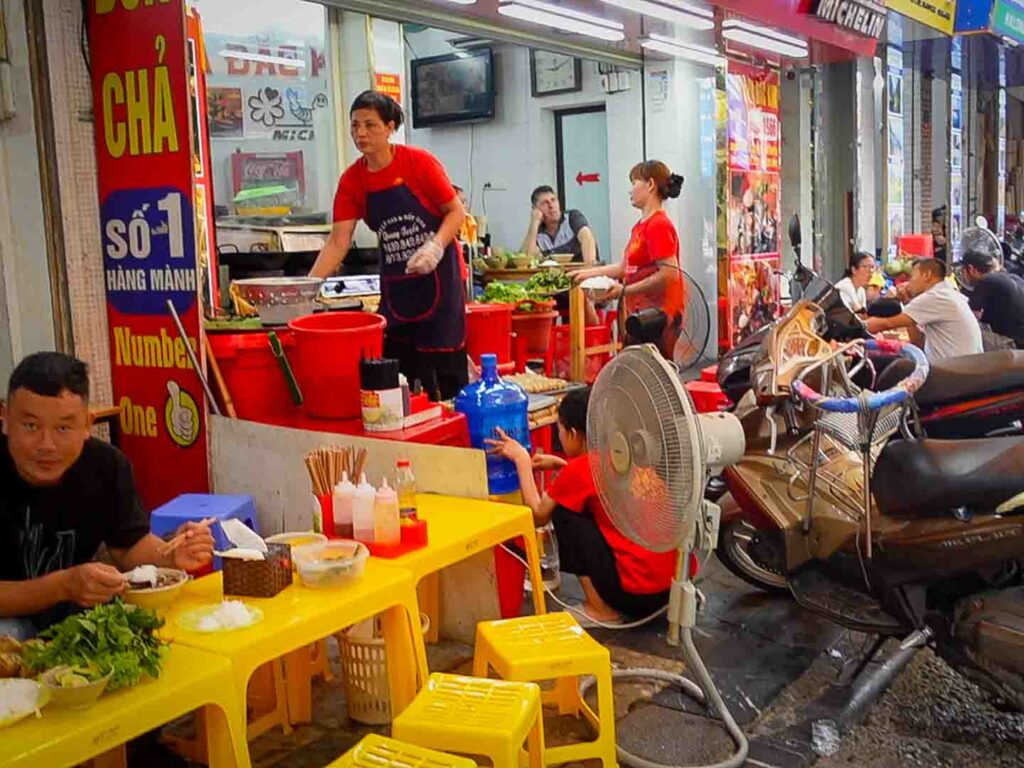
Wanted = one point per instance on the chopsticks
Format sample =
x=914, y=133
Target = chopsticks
x=178, y=540
x=326, y=466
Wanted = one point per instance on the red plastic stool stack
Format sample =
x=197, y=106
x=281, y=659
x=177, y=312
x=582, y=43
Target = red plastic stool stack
x=707, y=397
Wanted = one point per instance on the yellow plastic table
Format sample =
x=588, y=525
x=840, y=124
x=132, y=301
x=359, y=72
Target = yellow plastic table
x=299, y=616
x=459, y=528
x=191, y=679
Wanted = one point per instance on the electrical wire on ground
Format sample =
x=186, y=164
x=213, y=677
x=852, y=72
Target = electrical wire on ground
x=702, y=691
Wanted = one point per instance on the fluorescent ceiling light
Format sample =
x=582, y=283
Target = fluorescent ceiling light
x=463, y=2
x=263, y=58
x=565, y=19
x=765, y=38
x=691, y=16
x=699, y=53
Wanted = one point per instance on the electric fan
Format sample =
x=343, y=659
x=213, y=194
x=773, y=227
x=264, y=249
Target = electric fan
x=696, y=330
x=651, y=456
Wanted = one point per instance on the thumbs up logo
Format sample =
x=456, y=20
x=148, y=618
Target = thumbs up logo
x=181, y=415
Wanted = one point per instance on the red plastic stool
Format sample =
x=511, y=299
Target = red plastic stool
x=709, y=374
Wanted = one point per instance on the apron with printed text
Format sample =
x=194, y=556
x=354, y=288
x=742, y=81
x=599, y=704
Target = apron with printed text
x=427, y=311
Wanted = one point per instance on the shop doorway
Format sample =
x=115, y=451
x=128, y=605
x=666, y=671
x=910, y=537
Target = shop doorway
x=581, y=148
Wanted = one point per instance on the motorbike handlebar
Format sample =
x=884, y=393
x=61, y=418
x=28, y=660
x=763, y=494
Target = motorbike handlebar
x=874, y=401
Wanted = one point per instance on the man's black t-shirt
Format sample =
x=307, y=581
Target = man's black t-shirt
x=999, y=296
x=48, y=529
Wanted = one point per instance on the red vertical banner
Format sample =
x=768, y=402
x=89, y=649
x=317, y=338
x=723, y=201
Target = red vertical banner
x=140, y=79
x=753, y=198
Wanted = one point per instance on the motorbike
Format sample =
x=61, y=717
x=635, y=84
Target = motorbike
x=916, y=538
x=964, y=397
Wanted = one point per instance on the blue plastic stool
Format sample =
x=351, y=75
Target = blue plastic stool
x=193, y=507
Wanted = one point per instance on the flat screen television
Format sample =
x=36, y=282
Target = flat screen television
x=453, y=88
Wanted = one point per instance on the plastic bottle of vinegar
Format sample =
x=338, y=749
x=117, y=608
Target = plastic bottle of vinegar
x=386, y=527
x=344, y=497
x=362, y=511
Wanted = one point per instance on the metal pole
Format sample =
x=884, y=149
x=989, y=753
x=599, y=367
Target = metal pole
x=193, y=358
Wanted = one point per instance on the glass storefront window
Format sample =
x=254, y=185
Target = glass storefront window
x=271, y=110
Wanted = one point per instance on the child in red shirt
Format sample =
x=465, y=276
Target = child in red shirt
x=619, y=577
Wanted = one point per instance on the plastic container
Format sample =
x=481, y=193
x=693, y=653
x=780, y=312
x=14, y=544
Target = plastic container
x=534, y=328
x=344, y=497
x=381, y=396
x=386, y=526
x=331, y=564
x=561, y=354
x=328, y=348
x=489, y=331
x=252, y=374
x=405, y=484
x=491, y=403
x=362, y=511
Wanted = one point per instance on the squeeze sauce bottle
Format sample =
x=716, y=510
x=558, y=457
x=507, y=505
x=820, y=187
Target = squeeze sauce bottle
x=386, y=528
x=344, y=496
x=362, y=511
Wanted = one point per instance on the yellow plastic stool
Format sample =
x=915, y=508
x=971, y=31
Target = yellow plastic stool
x=379, y=752
x=474, y=716
x=554, y=647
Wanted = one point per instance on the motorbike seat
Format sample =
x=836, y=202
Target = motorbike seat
x=934, y=478
x=961, y=378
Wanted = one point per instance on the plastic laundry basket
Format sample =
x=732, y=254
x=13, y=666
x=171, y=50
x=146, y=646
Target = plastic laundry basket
x=364, y=666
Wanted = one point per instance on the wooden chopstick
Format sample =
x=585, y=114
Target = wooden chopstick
x=178, y=540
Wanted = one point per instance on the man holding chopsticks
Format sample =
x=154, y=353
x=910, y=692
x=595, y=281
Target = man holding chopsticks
x=64, y=493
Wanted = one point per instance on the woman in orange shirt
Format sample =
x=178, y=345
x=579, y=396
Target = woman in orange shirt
x=649, y=272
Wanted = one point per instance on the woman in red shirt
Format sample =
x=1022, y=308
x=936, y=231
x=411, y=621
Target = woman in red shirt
x=405, y=196
x=649, y=273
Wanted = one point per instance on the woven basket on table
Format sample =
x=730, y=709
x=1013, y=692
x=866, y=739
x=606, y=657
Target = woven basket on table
x=259, y=578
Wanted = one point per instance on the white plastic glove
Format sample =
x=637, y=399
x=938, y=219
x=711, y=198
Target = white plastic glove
x=426, y=258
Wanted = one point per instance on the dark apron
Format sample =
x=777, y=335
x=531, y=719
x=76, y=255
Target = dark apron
x=425, y=311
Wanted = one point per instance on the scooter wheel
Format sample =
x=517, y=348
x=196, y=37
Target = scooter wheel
x=734, y=540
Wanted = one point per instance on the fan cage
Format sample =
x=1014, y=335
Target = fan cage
x=639, y=408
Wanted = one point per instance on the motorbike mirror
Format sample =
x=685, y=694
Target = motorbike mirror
x=981, y=222
x=794, y=231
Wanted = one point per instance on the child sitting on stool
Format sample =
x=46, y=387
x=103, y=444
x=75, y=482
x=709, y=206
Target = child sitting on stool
x=619, y=577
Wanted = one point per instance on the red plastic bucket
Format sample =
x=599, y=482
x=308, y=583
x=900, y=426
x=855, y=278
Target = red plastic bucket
x=252, y=374
x=328, y=348
x=489, y=331
x=535, y=329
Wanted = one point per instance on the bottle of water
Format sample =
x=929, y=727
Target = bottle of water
x=491, y=403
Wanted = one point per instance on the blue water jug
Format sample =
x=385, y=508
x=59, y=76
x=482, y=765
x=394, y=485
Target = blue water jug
x=491, y=403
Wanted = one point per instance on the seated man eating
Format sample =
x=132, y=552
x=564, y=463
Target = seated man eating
x=64, y=493
x=619, y=578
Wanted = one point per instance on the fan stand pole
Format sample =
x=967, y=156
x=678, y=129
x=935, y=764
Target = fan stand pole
x=682, y=616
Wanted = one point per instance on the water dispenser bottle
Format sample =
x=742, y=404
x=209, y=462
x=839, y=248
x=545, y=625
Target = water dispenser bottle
x=491, y=403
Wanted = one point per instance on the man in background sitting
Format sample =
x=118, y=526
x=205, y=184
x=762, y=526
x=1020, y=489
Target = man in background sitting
x=552, y=231
x=937, y=316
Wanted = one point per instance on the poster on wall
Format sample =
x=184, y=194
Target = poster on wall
x=282, y=114
x=657, y=89
x=753, y=199
x=146, y=199
x=894, y=136
x=224, y=112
